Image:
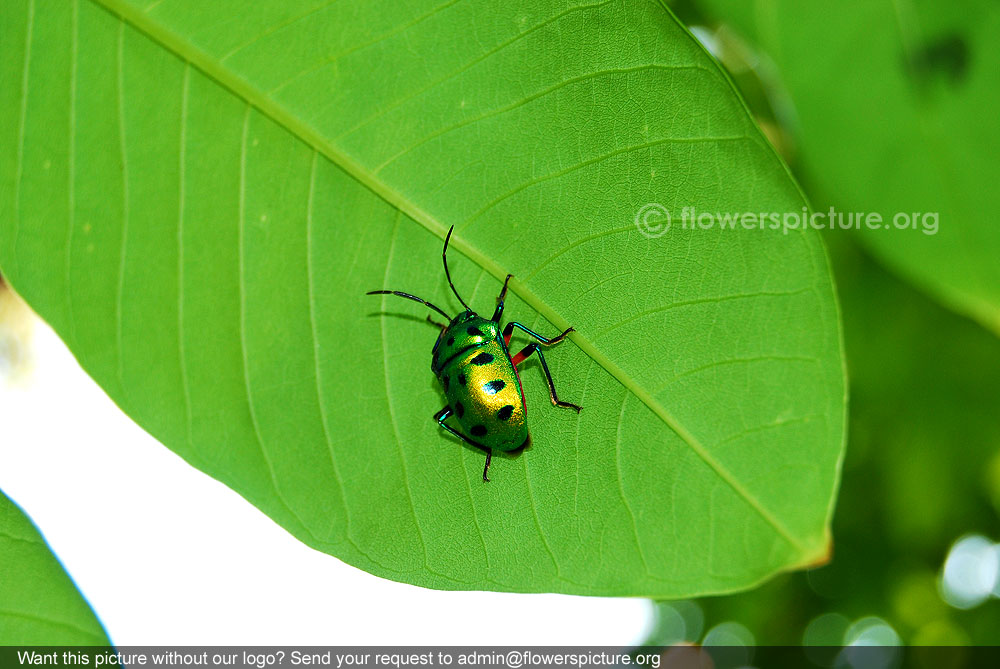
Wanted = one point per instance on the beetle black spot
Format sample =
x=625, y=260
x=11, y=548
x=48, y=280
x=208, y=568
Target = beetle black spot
x=493, y=387
x=451, y=341
x=505, y=412
x=478, y=430
x=459, y=409
x=475, y=332
x=446, y=382
x=461, y=379
x=483, y=359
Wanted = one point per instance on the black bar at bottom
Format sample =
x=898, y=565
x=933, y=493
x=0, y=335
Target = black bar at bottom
x=500, y=657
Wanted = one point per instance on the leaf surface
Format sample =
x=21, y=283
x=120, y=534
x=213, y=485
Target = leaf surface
x=203, y=193
x=39, y=604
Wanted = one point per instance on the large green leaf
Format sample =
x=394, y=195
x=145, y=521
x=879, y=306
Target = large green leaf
x=895, y=112
x=39, y=604
x=202, y=194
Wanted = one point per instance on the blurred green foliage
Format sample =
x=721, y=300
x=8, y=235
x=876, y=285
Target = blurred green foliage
x=886, y=102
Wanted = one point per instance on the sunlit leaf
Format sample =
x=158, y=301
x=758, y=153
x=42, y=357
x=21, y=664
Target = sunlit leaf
x=203, y=193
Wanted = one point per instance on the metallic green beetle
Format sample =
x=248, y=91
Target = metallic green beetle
x=479, y=376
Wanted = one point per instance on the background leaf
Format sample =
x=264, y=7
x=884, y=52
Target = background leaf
x=891, y=113
x=201, y=195
x=39, y=604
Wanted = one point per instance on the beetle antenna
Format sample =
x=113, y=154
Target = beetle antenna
x=409, y=297
x=444, y=257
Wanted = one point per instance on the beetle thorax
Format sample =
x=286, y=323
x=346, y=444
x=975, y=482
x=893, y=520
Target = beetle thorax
x=465, y=332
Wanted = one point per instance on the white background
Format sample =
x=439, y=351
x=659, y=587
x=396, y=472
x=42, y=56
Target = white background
x=167, y=555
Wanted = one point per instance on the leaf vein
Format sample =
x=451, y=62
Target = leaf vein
x=695, y=302
x=273, y=29
x=19, y=172
x=538, y=523
x=57, y=623
x=242, y=324
x=71, y=186
x=182, y=160
x=531, y=98
x=364, y=45
x=621, y=484
x=388, y=394
x=467, y=66
x=735, y=361
x=320, y=400
x=123, y=153
x=596, y=159
x=34, y=541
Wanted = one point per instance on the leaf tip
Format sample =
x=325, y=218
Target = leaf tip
x=821, y=555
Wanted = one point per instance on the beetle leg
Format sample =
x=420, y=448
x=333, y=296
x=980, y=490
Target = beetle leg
x=544, y=340
x=507, y=331
x=533, y=348
x=441, y=416
x=500, y=299
x=434, y=322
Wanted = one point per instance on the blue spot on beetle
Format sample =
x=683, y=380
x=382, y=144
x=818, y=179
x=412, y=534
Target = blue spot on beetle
x=493, y=387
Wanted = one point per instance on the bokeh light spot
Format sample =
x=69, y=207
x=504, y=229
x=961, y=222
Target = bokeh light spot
x=730, y=644
x=825, y=630
x=871, y=643
x=970, y=572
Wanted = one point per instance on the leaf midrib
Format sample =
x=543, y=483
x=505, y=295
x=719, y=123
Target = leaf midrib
x=258, y=99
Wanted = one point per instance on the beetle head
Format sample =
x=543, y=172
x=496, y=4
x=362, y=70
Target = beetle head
x=464, y=316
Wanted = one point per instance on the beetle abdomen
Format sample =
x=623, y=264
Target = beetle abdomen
x=484, y=392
